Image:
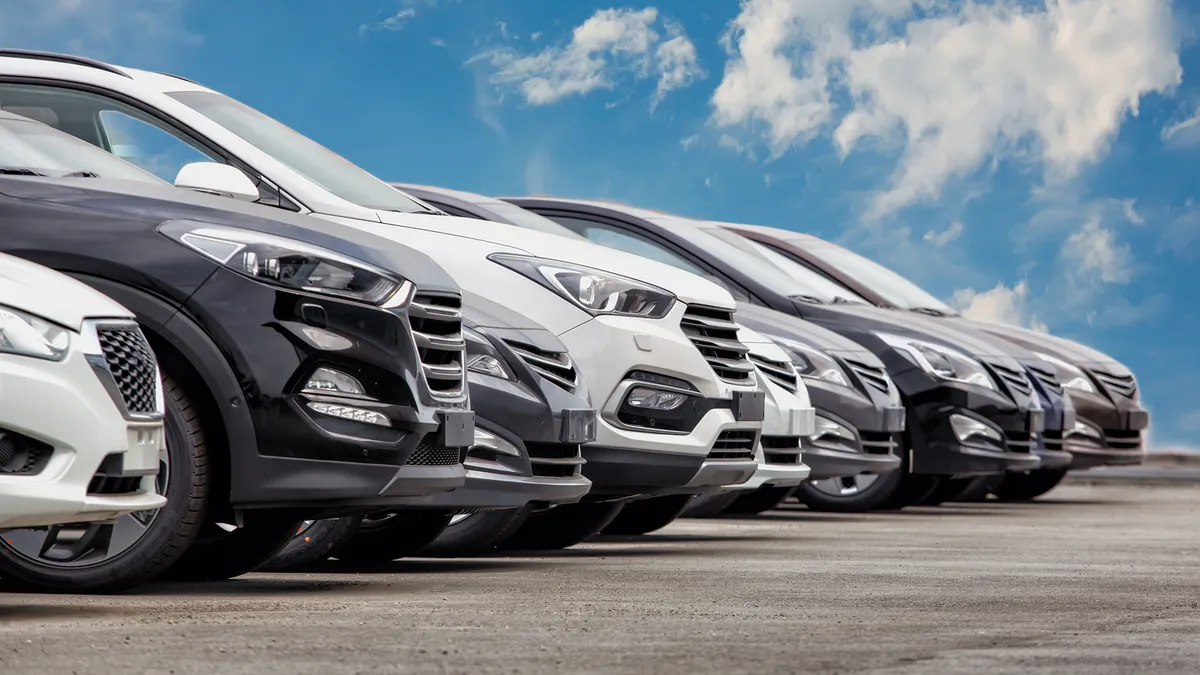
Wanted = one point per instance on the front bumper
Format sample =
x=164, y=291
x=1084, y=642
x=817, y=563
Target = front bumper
x=875, y=425
x=1117, y=431
x=318, y=465
x=76, y=439
x=626, y=472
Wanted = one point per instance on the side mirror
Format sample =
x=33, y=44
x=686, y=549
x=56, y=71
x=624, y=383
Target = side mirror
x=217, y=179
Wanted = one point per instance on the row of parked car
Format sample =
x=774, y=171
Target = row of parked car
x=276, y=358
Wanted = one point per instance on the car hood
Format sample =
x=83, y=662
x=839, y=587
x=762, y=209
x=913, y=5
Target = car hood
x=1060, y=348
x=686, y=286
x=149, y=201
x=910, y=324
x=481, y=313
x=761, y=345
x=770, y=322
x=41, y=291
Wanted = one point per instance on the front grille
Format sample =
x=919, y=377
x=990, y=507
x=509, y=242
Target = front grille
x=734, y=444
x=1123, y=439
x=879, y=442
x=108, y=485
x=871, y=376
x=1047, y=378
x=556, y=367
x=1052, y=439
x=428, y=454
x=1122, y=385
x=714, y=333
x=554, y=460
x=1019, y=441
x=1014, y=380
x=781, y=449
x=782, y=373
x=132, y=364
x=437, y=330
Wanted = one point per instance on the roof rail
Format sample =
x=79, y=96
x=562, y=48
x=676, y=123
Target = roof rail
x=180, y=77
x=61, y=58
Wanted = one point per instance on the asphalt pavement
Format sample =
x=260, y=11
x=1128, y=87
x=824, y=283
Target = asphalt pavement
x=1097, y=579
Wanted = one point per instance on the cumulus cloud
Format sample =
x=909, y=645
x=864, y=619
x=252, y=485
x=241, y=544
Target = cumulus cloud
x=947, y=85
x=945, y=236
x=1000, y=304
x=611, y=45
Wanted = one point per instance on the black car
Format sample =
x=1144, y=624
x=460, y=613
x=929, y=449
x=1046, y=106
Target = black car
x=1109, y=420
x=532, y=415
x=859, y=414
x=311, y=371
x=971, y=408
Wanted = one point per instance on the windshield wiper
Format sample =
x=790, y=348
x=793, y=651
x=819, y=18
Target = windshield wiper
x=80, y=174
x=810, y=299
x=18, y=171
x=839, y=300
x=931, y=311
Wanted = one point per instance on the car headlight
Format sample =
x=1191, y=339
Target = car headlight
x=812, y=363
x=1070, y=376
x=483, y=358
x=594, y=291
x=291, y=264
x=940, y=361
x=27, y=335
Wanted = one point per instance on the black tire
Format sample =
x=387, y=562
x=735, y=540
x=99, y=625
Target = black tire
x=171, y=531
x=476, y=534
x=1023, y=488
x=218, y=554
x=310, y=545
x=709, y=506
x=384, y=537
x=979, y=488
x=647, y=515
x=757, y=501
x=562, y=526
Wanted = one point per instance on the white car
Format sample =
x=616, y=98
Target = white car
x=71, y=457
x=630, y=324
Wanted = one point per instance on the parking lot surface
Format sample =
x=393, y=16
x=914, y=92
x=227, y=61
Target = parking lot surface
x=1096, y=579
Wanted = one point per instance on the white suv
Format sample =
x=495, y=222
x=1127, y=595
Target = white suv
x=630, y=324
x=71, y=458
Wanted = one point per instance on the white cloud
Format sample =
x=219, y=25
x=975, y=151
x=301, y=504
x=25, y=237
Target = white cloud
x=1095, y=255
x=1000, y=304
x=394, y=22
x=610, y=45
x=536, y=36
x=689, y=142
x=147, y=33
x=1185, y=132
x=437, y=42
x=946, y=236
x=1129, y=206
x=949, y=85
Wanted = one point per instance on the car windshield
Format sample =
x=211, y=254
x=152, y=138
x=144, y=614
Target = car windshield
x=33, y=149
x=515, y=215
x=299, y=153
x=892, y=287
x=729, y=248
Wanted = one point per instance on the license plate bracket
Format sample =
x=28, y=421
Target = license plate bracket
x=749, y=406
x=457, y=429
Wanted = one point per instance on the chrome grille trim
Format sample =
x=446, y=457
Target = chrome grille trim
x=714, y=333
x=556, y=367
x=1123, y=385
x=782, y=373
x=1048, y=378
x=1015, y=380
x=436, y=320
x=872, y=376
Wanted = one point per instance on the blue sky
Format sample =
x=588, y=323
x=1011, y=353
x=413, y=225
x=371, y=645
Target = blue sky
x=1031, y=162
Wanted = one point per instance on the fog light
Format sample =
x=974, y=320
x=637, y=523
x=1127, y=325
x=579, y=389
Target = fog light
x=578, y=426
x=489, y=365
x=330, y=381
x=1084, y=429
x=825, y=427
x=348, y=413
x=654, y=399
x=966, y=427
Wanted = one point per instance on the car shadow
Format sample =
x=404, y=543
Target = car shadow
x=675, y=538
x=34, y=612
x=424, y=566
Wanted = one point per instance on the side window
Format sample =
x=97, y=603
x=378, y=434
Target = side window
x=140, y=142
x=613, y=237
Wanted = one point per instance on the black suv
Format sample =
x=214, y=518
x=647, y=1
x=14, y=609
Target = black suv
x=310, y=370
